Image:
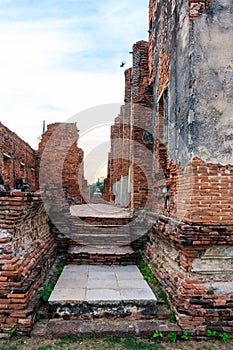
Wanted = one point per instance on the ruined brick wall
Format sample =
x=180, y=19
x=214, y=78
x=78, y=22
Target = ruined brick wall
x=60, y=161
x=27, y=249
x=197, y=7
x=107, y=187
x=187, y=104
x=141, y=124
x=194, y=267
x=189, y=47
x=17, y=159
x=131, y=143
x=115, y=160
x=119, y=155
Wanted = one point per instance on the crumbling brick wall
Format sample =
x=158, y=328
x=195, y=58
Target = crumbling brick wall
x=131, y=142
x=189, y=65
x=192, y=239
x=27, y=249
x=28, y=238
x=17, y=159
x=60, y=161
x=197, y=7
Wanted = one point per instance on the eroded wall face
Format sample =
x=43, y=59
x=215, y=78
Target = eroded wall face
x=60, y=162
x=130, y=158
x=211, y=114
x=191, y=50
x=191, y=55
x=28, y=250
x=17, y=160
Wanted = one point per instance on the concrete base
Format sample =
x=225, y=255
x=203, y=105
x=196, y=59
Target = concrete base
x=92, y=291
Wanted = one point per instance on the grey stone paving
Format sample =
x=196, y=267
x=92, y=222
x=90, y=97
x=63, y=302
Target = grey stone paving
x=99, y=210
x=94, y=283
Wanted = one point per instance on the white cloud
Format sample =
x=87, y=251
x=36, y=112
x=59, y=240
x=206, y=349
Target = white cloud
x=52, y=102
x=34, y=45
x=59, y=59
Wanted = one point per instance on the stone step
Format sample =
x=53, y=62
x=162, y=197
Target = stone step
x=88, y=239
x=101, y=254
x=104, y=221
x=55, y=328
x=95, y=291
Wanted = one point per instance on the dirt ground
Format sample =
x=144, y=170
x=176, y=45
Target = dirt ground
x=115, y=343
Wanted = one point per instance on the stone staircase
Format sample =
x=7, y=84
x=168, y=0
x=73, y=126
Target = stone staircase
x=90, y=292
x=101, y=279
x=104, y=301
x=101, y=254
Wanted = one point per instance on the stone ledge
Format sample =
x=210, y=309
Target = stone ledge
x=54, y=328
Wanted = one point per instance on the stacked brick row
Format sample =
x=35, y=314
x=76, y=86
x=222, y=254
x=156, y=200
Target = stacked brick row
x=17, y=159
x=205, y=194
x=27, y=249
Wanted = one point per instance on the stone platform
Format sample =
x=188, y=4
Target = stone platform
x=99, y=211
x=93, y=291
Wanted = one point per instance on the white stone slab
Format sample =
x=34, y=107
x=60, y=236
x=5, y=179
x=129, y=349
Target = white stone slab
x=127, y=268
x=102, y=284
x=71, y=283
x=125, y=275
x=74, y=276
x=137, y=294
x=132, y=284
x=97, y=295
x=61, y=295
x=101, y=275
x=98, y=284
x=76, y=268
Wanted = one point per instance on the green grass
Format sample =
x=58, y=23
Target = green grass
x=47, y=288
x=73, y=342
x=133, y=344
x=149, y=277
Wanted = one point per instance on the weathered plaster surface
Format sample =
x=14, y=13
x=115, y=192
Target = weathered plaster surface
x=211, y=55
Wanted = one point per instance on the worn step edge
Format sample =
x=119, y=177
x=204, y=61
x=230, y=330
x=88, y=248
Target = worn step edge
x=54, y=328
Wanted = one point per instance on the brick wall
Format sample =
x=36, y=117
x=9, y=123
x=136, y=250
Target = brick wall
x=188, y=168
x=195, y=272
x=152, y=12
x=60, y=161
x=205, y=194
x=197, y=7
x=27, y=249
x=17, y=159
x=131, y=143
x=192, y=191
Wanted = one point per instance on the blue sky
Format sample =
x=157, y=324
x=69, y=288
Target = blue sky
x=59, y=57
